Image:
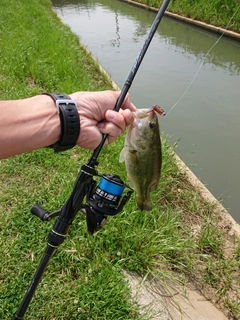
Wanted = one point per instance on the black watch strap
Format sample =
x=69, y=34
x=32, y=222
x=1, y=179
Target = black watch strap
x=70, y=122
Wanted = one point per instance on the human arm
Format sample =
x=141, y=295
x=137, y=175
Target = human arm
x=33, y=123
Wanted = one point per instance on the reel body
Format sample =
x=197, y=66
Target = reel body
x=104, y=199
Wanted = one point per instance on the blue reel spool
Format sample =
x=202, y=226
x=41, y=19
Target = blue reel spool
x=109, y=190
x=112, y=184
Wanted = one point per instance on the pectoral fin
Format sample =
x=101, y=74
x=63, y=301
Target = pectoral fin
x=122, y=155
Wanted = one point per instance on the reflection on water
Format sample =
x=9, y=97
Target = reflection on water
x=206, y=119
x=116, y=42
x=177, y=34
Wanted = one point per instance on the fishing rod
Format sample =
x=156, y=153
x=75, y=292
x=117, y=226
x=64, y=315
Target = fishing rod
x=133, y=71
x=104, y=199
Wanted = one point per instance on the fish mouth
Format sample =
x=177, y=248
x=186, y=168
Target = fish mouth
x=150, y=111
x=142, y=113
x=155, y=108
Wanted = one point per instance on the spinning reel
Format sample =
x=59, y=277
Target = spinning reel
x=104, y=199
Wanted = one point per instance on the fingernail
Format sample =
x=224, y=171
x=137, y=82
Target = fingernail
x=100, y=124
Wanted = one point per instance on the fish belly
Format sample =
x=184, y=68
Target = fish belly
x=143, y=169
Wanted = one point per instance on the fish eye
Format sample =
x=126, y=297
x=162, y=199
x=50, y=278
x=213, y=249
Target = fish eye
x=152, y=125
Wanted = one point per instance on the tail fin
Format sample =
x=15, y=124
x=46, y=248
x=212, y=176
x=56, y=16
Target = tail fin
x=144, y=204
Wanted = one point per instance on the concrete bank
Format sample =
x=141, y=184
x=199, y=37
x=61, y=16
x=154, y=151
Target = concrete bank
x=217, y=30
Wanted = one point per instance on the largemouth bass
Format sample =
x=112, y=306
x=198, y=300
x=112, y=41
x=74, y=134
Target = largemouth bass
x=143, y=156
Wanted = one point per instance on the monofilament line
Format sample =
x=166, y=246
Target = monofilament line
x=199, y=68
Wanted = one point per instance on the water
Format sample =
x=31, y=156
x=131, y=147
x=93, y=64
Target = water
x=205, y=123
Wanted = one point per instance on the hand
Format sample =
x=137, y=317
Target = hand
x=97, y=117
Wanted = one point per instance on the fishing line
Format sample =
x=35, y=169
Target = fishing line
x=196, y=74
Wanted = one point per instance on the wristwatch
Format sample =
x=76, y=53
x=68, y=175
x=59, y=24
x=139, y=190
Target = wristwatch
x=70, y=121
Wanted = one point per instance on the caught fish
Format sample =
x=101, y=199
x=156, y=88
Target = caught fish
x=143, y=155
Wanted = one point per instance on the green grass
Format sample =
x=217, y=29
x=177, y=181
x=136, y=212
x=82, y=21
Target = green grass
x=216, y=12
x=178, y=240
x=31, y=44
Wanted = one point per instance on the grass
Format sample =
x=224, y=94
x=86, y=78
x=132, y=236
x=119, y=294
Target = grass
x=216, y=12
x=32, y=65
x=179, y=240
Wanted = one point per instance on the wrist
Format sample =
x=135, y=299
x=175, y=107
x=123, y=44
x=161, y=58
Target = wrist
x=45, y=118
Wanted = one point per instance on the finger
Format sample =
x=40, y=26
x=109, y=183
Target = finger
x=109, y=128
x=127, y=104
x=107, y=141
x=128, y=116
x=116, y=118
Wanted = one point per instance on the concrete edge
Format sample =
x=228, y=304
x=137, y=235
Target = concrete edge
x=195, y=182
x=217, y=30
x=221, y=31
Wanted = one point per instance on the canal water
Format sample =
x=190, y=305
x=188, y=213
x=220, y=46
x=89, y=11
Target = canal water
x=199, y=90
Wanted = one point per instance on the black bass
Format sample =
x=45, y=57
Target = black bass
x=143, y=156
